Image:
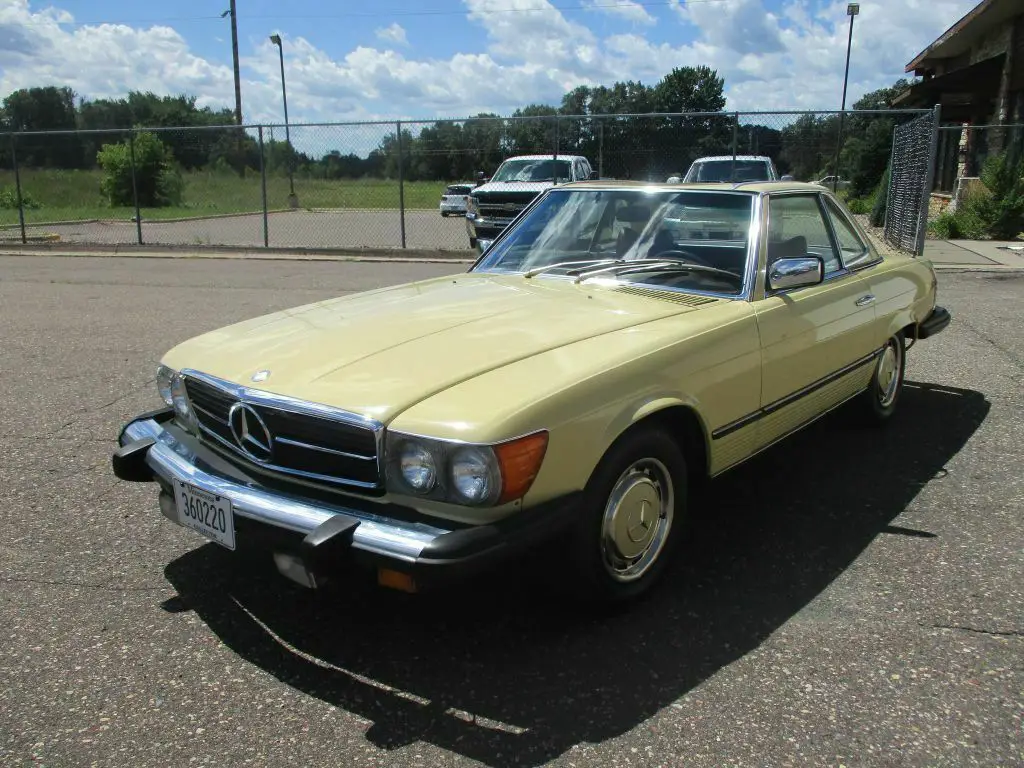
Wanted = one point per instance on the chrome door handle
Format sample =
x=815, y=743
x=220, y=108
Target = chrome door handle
x=863, y=301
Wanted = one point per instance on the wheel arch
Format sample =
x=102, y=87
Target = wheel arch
x=682, y=420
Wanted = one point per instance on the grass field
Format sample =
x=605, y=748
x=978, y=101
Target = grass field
x=75, y=195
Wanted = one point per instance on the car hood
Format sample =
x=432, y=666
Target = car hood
x=380, y=352
x=515, y=189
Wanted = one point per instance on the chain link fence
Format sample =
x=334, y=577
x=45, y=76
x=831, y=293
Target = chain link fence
x=910, y=182
x=380, y=185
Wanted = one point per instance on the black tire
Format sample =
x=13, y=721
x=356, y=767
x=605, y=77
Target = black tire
x=444, y=214
x=593, y=557
x=879, y=401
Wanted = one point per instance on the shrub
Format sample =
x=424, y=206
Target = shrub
x=962, y=224
x=881, y=201
x=860, y=205
x=9, y=199
x=158, y=181
x=1002, y=209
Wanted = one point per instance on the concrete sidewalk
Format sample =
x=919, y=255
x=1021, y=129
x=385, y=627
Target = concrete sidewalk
x=975, y=254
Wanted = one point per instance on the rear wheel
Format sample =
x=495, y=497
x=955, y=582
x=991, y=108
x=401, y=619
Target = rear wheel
x=883, y=394
x=632, y=517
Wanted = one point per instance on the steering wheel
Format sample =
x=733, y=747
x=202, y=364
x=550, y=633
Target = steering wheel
x=697, y=262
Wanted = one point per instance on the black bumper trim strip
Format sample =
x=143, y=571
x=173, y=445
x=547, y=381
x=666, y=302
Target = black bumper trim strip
x=771, y=408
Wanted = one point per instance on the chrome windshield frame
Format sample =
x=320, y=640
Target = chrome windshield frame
x=752, y=253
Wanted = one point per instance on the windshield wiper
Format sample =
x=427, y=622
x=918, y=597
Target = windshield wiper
x=644, y=265
x=591, y=262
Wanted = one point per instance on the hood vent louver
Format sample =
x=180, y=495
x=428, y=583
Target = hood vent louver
x=686, y=299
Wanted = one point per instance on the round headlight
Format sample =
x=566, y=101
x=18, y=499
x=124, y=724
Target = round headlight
x=474, y=474
x=418, y=467
x=179, y=399
x=164, y=375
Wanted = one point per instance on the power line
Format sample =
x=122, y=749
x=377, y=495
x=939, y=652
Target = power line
x=387, y=14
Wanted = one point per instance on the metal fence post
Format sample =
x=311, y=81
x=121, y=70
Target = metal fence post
x=600, y=148
x=926, y=193
x=554, y=157
x=135, y=187
x=263, y=191
x=888, y=190
x=17, y=188
x=735, y=139
x=839, y=147
x=401, y=183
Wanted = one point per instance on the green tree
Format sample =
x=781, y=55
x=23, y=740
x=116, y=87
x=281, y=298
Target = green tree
x=44, y=109
x=156, y=179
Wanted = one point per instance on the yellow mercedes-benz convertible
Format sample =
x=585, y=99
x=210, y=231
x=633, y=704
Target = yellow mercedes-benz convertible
x=617, y=343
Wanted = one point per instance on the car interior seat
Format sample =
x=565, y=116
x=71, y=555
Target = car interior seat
x=794, y=247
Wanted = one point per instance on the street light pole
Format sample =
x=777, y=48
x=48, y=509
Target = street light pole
x=852, y=10
x=293, y=200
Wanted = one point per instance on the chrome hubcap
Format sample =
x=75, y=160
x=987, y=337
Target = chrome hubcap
x=637, y=519
x=889, y=374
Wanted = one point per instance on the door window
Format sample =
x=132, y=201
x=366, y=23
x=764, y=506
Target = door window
x=796, y=227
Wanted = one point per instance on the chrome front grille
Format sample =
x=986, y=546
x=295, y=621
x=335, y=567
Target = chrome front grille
x=500, y=210
x=307, y=440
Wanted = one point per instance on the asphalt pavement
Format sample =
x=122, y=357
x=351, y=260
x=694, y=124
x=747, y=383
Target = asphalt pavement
x=852, y=597
x=342, y=228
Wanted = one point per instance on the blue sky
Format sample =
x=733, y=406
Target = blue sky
x=355, y=59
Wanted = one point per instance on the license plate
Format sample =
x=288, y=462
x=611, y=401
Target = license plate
x=206, y=513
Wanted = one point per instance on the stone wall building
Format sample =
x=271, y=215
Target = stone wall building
x=975, y=72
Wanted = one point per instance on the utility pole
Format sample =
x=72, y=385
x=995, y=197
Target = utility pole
x=234, y=57
x=232, y=11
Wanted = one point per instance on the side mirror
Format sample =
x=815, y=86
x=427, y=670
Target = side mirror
x=593, y=176
x=788, y=177
x=800, y=272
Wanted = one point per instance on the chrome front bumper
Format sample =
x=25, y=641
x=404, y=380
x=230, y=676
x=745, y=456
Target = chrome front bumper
x=170, y=459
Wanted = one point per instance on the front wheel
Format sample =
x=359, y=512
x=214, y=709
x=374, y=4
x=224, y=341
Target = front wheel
x=632, y=517
x=883, y=394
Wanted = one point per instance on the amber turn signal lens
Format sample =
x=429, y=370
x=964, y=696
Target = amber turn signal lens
x=520, y=462
x=396, y=580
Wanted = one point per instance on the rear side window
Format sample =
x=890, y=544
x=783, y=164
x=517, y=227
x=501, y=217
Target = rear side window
x=855, y=250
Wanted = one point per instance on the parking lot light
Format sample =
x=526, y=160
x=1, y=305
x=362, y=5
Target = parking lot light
x=293, y=200
x=852, y=9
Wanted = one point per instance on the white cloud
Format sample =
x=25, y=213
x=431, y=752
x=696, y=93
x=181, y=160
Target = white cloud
x=105, y=60
x=393, y=33
x=790, y=59
x=630, y=10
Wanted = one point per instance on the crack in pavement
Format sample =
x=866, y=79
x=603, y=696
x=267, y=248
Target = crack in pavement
x=984, y=337
x=977, y=630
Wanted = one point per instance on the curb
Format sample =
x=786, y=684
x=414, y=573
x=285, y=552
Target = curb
x=239, y=256
x=228, y=251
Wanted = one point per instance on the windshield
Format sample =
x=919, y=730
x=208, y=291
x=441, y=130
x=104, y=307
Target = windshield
x=721, y=170
x=539, y=169
x=570, y=230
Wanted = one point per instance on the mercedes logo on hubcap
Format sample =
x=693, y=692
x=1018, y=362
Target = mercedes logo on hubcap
x=250, y=433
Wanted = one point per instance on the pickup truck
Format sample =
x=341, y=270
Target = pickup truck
x=491, y=207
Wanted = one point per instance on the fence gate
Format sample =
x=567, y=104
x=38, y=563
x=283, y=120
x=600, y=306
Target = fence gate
x=910, y=182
